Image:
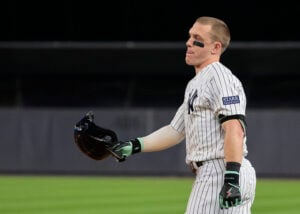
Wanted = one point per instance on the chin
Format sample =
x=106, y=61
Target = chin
x=188, y=62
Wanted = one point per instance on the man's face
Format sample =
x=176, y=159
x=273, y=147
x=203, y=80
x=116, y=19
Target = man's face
x=196, y=55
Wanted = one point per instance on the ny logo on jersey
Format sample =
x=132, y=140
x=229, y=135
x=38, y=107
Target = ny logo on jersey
x=192, y=97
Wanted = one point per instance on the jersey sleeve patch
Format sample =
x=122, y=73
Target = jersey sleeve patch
x=231, y=100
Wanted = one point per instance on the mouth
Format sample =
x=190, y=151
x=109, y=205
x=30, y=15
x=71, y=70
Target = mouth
x=189, y=53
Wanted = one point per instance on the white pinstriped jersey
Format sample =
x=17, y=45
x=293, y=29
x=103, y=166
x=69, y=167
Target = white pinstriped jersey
x=212, y=92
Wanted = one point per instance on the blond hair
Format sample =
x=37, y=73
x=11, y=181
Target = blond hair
x=219, y=30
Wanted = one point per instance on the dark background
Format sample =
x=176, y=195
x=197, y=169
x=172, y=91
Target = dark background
x=144, y=20
x=55, y=74
x=38, y=75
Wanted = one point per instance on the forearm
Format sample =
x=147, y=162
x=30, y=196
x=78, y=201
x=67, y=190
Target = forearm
x=233, y=148
x=233, y=142
x=161, y=139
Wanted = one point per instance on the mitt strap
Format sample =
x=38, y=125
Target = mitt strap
x=136, y=146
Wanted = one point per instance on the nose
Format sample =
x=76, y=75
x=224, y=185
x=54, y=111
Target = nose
x=189, y=42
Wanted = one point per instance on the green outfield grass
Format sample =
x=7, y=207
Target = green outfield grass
x=128, y=195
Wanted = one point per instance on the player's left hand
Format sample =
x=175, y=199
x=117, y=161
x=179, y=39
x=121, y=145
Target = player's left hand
x=230, y=196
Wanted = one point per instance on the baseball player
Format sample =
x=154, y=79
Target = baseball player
x=211, y=119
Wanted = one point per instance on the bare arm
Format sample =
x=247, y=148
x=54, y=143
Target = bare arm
x=161, y=139
x=233, y=142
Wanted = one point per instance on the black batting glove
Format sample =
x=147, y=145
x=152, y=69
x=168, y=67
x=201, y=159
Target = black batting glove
x=230, y=195
x=123, y=150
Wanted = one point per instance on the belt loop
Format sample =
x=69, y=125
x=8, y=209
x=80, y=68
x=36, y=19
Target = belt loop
x=194, y=170
x=195, y=165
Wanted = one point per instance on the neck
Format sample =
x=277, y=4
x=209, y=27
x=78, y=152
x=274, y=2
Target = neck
x=198, y=68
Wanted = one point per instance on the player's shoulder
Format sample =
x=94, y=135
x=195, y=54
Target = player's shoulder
x=220, y=71
x=218, y=68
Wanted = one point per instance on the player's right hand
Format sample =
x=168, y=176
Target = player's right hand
x=123, y=150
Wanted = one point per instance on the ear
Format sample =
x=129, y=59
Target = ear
x=217, y=48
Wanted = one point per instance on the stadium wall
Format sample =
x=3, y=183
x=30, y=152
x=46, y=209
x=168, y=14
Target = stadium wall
x=40, y=141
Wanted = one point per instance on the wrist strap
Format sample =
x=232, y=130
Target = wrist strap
x=136, y=145
x=232, y=174
x=233, y=166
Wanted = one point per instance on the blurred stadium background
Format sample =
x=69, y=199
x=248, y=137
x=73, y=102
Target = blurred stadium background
x=125, y=61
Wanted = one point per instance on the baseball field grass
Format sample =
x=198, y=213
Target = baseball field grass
x=126, y=195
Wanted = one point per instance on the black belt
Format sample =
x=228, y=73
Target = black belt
x=199, y=163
